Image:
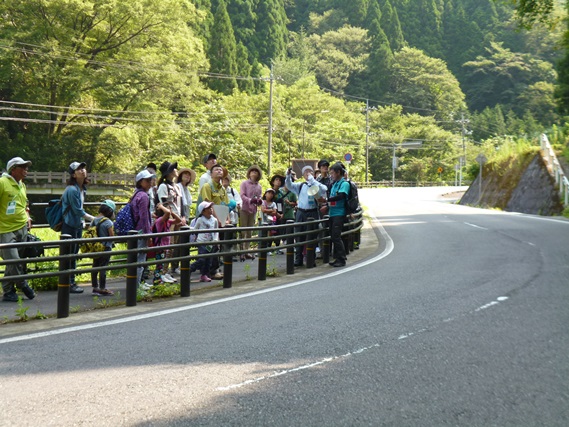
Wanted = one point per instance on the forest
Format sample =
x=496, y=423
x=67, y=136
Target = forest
x=120, y=83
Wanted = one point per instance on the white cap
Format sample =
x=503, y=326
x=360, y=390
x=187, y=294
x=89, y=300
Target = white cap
x=204, y=205
x=307, y=167
x=17, y=161
x=144, y=175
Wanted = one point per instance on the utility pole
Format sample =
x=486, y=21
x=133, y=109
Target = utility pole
x=270, y=151
x=463, y=122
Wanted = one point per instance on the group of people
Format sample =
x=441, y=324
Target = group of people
x=164, y=205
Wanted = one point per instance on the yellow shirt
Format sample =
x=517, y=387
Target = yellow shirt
x=13, y=203
x=214, y=193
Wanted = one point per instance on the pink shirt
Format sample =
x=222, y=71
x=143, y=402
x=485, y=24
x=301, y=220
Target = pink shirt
x=249, y=189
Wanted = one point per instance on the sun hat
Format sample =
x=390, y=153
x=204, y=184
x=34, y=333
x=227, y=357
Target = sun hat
x=278, y=175
x=187, y=170
x=254, y=168
x=167, y=168
x=17, y=161
x=202, y=206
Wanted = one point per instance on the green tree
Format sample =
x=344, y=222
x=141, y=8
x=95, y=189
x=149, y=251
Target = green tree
x=390, y=24
x=271, y=31
x=223, y=52
x=424, y=83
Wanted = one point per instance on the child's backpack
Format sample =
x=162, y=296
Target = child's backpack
x=353, y=202
x=124, y=221
x=92, y=233
x=54, y=214
x=193, y=236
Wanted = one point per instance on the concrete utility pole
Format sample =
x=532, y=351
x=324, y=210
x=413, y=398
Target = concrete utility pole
x=270, y=150
x=367, y=141
x=463, y=122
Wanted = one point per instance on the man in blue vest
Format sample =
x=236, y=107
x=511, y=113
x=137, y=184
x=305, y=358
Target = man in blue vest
x=339, y=192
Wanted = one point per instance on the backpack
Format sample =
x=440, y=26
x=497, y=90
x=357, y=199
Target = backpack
x=353, y=202
x=125, y=220
x=54, y=214
x=193, y=236
x=92, y=233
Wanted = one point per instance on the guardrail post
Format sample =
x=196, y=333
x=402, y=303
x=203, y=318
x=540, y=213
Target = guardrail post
x=358, y=235
x=290, y=250
x=310, y=247
x=262, y=272
x=185, y=263
x=351, y=236
x=131, y=270
x=325, y=242
x=228, y=234
x=64, y=278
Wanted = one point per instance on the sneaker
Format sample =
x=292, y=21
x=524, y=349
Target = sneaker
x=177, y=271
x=280, y=252
x=28, y=292
x=166, y=278
x=104, y=292
x=217, y=276
x=96, y=291
x=204, y=278
x=74, y=289
x=338, y=263
x=145, y=286
x=170, y=278
x=10, y=297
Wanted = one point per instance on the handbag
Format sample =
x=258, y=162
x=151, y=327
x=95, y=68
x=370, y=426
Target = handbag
x=31, y=251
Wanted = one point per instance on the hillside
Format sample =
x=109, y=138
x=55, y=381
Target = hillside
x=516, y=184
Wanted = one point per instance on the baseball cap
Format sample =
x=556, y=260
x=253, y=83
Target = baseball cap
x=307, y=167
x=144, y=175
x=204, y=205
x=208, y=157
x=76, y=165
x=323, y=162
x=110, y=204
x=17, y=161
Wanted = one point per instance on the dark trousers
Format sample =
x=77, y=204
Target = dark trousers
x=99, y=278
x=302, y=216
x=336, y=224
x=75, y=233
x=207, y=266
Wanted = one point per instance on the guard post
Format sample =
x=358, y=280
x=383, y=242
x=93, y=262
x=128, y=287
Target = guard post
x=185, y=262
x=228, y=236
x=290, y=248
x=310, y=245
x=131, y=269
x=262, y=272
x=64, y=278
x=325, y=242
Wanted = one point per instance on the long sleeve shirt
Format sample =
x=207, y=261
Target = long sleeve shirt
x=248, y=190
x=140, y=205
x=72, y=206
x=305, y=201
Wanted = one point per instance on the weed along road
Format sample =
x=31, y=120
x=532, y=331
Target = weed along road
x=459, y=317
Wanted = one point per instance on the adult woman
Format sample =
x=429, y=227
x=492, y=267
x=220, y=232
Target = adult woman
x=186, y=178
x=169, y=195
x=250, y=191
x=74, y=215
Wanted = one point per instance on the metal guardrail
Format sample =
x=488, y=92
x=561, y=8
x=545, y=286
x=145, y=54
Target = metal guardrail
x=384, y=183
x=315, y=235
x=555, y=169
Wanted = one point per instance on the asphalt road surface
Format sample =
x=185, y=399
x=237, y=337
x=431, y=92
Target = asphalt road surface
x=459, y=319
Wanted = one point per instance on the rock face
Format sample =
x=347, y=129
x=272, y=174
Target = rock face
x=522, y=189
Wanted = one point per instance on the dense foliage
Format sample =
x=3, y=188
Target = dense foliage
x=119, y=83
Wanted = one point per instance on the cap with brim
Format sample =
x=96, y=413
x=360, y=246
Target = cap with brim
x=17, y=161
x=187, y=170
x=167, y=168
x=204, y=205
x=76, y=165
x=110, y=204
x=208, y=157
x=323, y=162
x=307, y=167
x=144, y=175
x=268, y=190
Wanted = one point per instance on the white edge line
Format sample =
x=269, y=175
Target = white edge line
x=388, y=249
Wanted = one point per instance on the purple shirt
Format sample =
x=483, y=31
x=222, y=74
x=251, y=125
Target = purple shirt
x=140, y=205
x=249, y=189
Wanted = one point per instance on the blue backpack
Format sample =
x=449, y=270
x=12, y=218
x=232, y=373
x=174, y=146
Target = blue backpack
x=124, y=221
x=54, y=214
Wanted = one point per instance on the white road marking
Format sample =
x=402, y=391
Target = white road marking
x=388, y=249
x=348, y=354
x=475, y=226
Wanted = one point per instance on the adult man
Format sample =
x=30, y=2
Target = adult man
x=307, y=205
x=208, y=161
x=337, y=210
x=324, y=177
x=14, y=224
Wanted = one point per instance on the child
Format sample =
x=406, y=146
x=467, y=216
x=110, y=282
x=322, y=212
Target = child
x=269, y=213
x=104, y=226
x=205, y=221
x=163, y=224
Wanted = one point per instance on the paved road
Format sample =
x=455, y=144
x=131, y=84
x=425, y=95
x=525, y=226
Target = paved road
x=460, y=318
